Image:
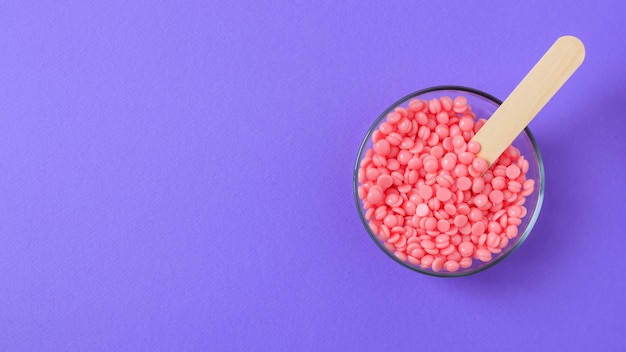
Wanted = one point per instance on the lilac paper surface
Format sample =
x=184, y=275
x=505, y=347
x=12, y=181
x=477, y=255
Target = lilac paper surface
x=177, y=176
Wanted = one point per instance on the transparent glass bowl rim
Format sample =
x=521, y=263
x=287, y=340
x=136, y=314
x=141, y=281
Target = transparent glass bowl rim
x=368, y=136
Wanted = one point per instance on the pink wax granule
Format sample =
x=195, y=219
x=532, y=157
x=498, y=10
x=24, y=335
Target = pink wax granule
x=428, y=197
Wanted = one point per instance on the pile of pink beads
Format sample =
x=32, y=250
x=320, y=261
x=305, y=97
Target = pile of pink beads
x=426, y=195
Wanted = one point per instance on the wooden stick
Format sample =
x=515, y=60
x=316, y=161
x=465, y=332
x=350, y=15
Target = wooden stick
x=529, y=97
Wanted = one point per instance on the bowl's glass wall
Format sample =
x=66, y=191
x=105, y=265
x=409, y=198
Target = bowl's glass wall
x=483, y=105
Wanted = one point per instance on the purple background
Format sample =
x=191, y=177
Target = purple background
x=178, y=177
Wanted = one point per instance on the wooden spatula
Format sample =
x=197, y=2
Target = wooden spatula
x=529, y=97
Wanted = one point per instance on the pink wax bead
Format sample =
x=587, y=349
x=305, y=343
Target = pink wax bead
x=466, y=249
x=483, y=254
x=514, y=211
x=446, y=103
x=393, y=117
x=498, y=183
x=442, y=130
x=473, y=147
x=465, y=263
x=466, y=124
x=478, y=229
x=416, y=105
x=443, y=118
x=382, y=147
x=438, y=264
x=375, y=195
x=451, y=266
x=430, y=224
x=478, y=184
x=415, y=163
x=422, y=210
x=513, y=172
x=460, y=170
x=431, y=164
x=480, y=164
x=434, y=106
x=443, y=225
x=427, y=261
x=448, y=163
x=480, y=200
x=407, y=143
x=444, y=194
x=404, y=125
x=450, y=209
x=458, y=141
x=429, y=199
x=425, y=191
x=404, y=156
x=385, y=181
x=466, y=158
x=460, y=104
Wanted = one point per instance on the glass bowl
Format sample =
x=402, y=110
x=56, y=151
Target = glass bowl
x=483, y=105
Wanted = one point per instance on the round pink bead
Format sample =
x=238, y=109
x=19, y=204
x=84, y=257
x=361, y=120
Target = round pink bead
x=430, y=224
x=407, y=143
x=498, y=183
x=404, y=125
x=425, y=191
x=466, y=124
x=460, y=104
x=404, y=156
x=427, y=260
x=465, y=263
x=448, y=163
x=437, y=152
x=458, y=141
x=434, y=106
x=394, y=117
x=375, y=195
x=444, y=194
x=390, y=220
x=460, y=170
x=478, y=229
x=473, y=147
x=442, y=130
x=478, y=185
x=386, y=127
x=451, y=266
x=438, y=264
x=422, y=210
x=443, y=225
x=460, y=220
x=480, y=200
x=464, y=183
x=450, y=209
x=394, y=138
x=430, y=164
x=511, y=231
x=496, y=196
x=466, y=158
x=475, y=214
x=415, y=163
x=483, y=255
x=514, y=211
x=382, y=147
x=446, y=103
x=384, y=181
x=480, y=165
x=513, y=172
x=466, y=249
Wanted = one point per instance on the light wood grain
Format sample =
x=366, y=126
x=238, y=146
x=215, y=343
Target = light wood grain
x=530, y=96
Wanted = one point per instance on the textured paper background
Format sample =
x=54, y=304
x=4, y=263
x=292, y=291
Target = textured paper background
x=177, y=176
